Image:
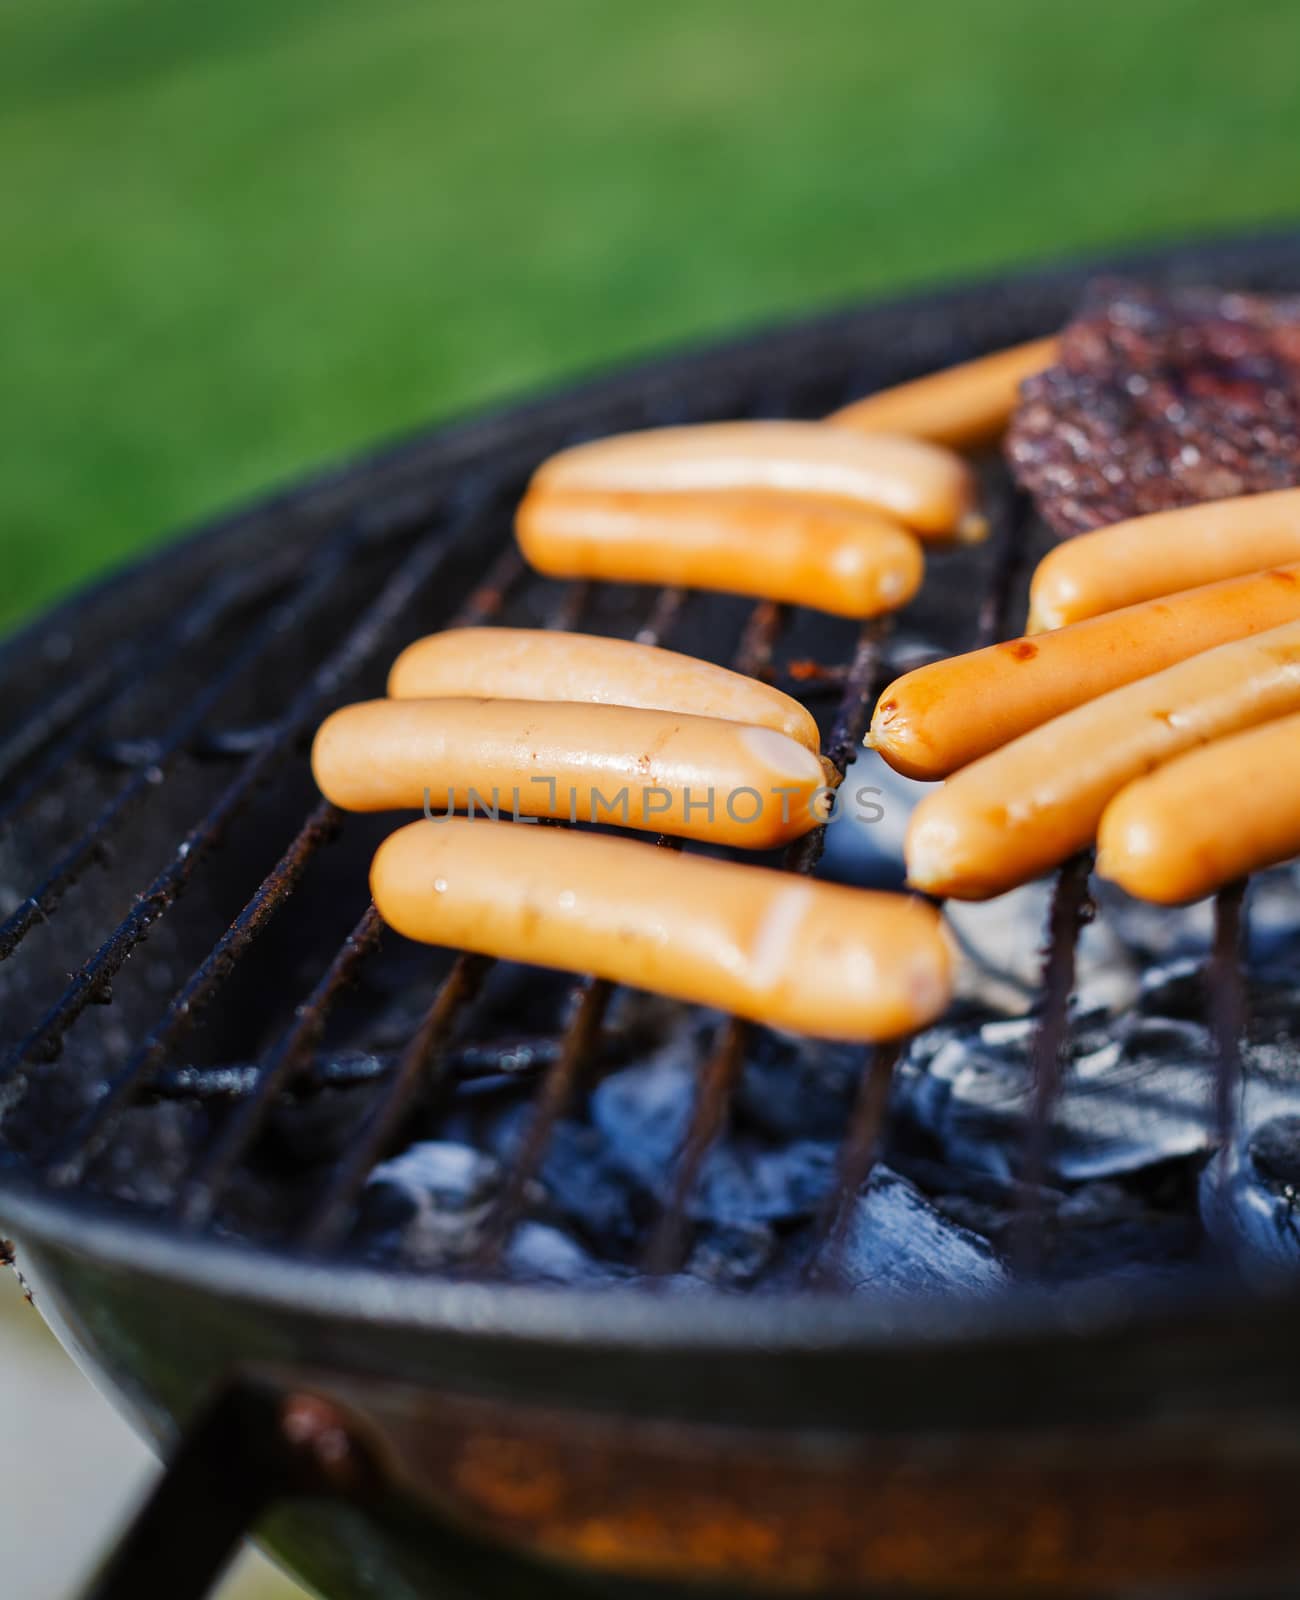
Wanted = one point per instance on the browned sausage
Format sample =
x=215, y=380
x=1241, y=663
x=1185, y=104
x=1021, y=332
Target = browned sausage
x=945, y=715
x=962, y=407
x=538, y=664
x=700, y=777
x=830, y=961
x=1013, y=814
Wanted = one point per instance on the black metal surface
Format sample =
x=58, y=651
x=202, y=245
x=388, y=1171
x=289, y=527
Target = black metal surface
x=256, y=925
x=253, y=1446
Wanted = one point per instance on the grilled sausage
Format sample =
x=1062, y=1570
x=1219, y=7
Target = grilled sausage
x=532, y=664
x=1028, y=806
x=830, y=961
x=962, y=407
x=699, y=777
x=926, y=488
x=1207, y=818
x=949, y=713
x=838, y=558
x=1163, y=553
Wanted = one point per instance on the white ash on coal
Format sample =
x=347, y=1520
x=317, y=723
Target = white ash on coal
x=895, y=1244
x=430, y=1203
x=1136, y=1095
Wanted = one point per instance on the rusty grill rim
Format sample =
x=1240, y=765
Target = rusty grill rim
x=105, y=1233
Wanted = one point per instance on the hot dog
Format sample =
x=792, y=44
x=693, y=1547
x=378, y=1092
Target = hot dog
x=949, y=713
x=1163, y=553
x=1207, y=818
x=834, y=962
x=1013, y=814
x=533, y=664
x=962, y=407
x=666, y=772
x=846, y=560
x=923, y=486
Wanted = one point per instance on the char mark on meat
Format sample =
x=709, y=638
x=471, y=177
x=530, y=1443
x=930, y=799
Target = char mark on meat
x=1161, y=398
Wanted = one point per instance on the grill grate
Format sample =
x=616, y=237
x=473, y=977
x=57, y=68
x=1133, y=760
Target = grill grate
x=419, y=1075
x=348, y=586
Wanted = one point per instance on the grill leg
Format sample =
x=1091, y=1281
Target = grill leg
x=249, y=1448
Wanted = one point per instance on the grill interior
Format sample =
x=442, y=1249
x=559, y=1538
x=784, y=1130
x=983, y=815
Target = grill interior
x=205, y=1018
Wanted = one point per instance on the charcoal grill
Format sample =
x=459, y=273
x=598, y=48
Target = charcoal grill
x=187, y=949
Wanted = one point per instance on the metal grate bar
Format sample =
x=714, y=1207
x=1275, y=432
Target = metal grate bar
x=359, y=645
x=1013, y=518
x=419, y=1082
x=54, y=716
x=130, y=669
x=489, y=596
x=518, y=1059
x=670, y=1242
x=188, y=1003
x=319, y=587
x=667, y=609
x=809, y=677
x=199, y=1197
x=231, y=743
x=321, y=826
x=568, y=613
x=862, y=680
x=559, y=1087
x=1227, y=1005
x=1071, y=910
x=759, y=638
x=857, y=1157
x=210, y=744
x=855, y=706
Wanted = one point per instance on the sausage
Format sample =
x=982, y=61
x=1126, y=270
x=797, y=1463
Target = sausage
x=532, y=664
x=1163, y=553
x=837, y=558
x=826, y=960
x=949, y=713
x=925, y=487
x=963, y=407
x=1013, y=814
x=699, y=777
x=1207, y=818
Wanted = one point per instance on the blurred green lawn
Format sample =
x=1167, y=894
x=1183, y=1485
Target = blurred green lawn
x=240, y=238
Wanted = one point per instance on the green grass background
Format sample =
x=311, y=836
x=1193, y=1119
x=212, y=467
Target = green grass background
x=239, y=238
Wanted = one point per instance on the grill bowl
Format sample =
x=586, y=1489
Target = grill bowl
x=1084, y=1443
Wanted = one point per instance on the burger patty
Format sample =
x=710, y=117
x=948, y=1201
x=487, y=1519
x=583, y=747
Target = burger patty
x=1161, y=398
